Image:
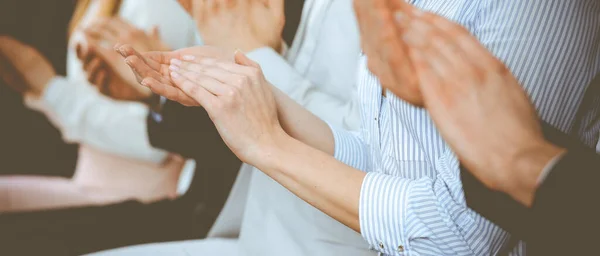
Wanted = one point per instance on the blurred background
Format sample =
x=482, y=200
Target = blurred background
x=26, y=134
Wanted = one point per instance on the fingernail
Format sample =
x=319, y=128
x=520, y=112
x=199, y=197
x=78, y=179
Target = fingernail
x=174, y=75
x=173, y=67
x=175, y=62
x=188, y=57
x=144, y=83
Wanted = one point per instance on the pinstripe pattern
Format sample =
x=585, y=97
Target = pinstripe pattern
x=412, y=195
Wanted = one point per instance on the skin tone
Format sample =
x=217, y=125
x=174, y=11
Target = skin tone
x=104, y=67
x=238, y=24
x=23, y=68
x=27, y=71
x=267, y=129
x=479, y=107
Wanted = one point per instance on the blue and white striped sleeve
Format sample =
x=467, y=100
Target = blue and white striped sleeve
x=350, y=149
x=427, y=216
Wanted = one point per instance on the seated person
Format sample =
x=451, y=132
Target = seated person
x=317, y=71
x=399, y=183
x=540, y=182
x=116, y=163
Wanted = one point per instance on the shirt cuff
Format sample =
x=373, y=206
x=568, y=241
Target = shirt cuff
x=382, y=207
x=549, y=167
x=349, y=149
x=50, y=94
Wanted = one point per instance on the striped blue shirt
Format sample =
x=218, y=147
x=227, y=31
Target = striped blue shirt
x=411, y=200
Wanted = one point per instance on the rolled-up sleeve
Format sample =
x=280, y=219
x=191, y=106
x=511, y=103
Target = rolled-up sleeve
x=350, y=149
x=426, y=216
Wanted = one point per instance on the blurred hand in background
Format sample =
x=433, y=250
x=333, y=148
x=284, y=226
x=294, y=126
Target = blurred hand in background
x=23, y=67
x=104, y=68
x=239, y=24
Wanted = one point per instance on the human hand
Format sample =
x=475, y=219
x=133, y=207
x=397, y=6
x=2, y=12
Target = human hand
x=24, y=68
x=238, y=99
x=386, y=52
x=478, y=106
x=104, y=67
x=152, y=68
x=240, y=24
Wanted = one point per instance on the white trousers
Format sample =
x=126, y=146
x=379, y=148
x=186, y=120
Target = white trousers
x=204, y=247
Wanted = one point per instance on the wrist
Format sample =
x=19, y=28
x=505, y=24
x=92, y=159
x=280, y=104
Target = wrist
x=37, y=91
x=269, y=152
x=527, y=166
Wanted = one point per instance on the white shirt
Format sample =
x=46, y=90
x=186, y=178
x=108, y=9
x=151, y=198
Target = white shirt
x=411, y=200
x=318, y=71
x=111, y=130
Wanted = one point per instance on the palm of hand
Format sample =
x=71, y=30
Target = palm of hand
x=151, y=69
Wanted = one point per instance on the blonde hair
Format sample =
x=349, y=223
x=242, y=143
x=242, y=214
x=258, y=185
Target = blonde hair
x=108, y=8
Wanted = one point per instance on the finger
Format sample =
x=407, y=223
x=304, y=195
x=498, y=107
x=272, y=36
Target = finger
x=212, y=5
x=467, y=44
x=190, y=78
x=245, y=66
x=142, y=70
x=100, y=34
x=104, y=24
x=430, y=83
x=103, y=52
x=169, y=91
x=101, y=82
x=242, y=59
x=93, y=68
x=199, y=93
x=121, y=27
x=216, y=72
x=92, y=65
x=149, y=59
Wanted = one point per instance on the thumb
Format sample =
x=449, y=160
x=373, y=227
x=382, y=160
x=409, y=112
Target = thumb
x=242, y=59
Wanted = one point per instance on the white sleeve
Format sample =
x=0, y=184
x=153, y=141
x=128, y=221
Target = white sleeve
x=85, y=116
x=342, y=113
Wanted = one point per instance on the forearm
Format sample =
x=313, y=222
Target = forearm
x=18, y=194
x=303, y=125
x=316, y=177
x=291, y=89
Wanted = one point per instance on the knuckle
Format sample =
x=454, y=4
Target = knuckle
x=240, y=81
x=231, y=92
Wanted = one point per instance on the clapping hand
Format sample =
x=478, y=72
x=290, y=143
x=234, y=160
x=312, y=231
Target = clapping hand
x=232, y=89
x=151, y=69
x=23, y=67
x=105, y=68
x=240, y=24
x=477, y=104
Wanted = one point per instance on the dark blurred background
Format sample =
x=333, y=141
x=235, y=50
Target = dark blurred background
x=29, y=144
